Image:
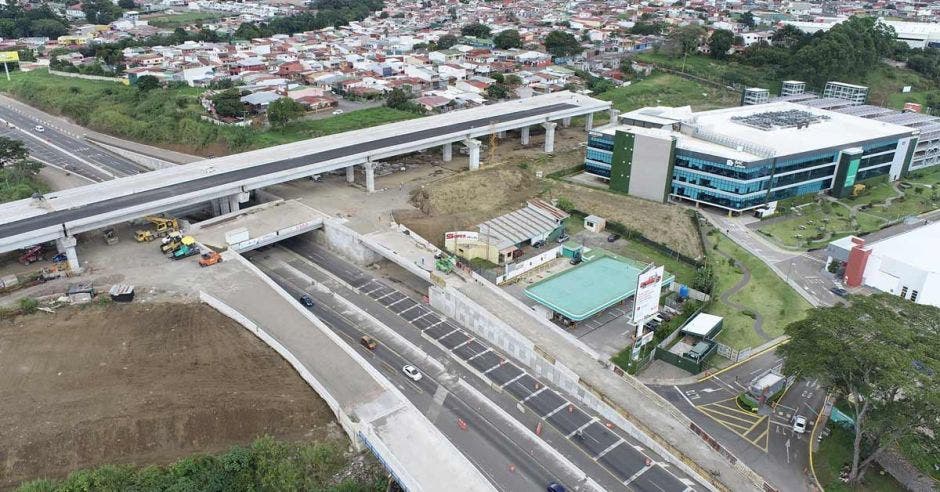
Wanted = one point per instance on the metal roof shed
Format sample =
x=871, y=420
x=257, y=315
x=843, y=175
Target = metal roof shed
x=703, y=325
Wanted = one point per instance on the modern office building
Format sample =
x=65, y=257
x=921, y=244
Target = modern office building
x=744, y=157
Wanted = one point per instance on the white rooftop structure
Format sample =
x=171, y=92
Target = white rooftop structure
x=720, y=133
x=702, y=324
x=907, y=265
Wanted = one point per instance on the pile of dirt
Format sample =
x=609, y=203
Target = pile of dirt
x=141, y=384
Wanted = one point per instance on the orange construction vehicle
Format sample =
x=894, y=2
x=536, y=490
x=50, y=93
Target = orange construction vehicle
x=210, y=258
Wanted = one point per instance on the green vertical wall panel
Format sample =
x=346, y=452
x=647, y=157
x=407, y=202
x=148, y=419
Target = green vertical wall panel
x=621, y=161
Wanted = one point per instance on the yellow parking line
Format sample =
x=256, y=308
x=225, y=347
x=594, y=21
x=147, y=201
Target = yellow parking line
x=766, y=436
x=736, y=408
x=738, y=428
x=756, y=424
x=718, y=410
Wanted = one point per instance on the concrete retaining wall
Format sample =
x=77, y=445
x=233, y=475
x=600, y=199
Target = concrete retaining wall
x=478, y=320
x=345, y=242
x=119, y=80
x=144, y=160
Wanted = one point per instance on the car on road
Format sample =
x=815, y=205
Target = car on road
x=412, y=372
x=555, y=487
x=306, y=300
x=338, y=111
x=39, y=128
x=613, y=237
x=799, y=424
x=368, y=342
x=839, y=291
x=10, y=125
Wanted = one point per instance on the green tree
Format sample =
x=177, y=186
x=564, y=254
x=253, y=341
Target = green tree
x=788, y=36
x=497, y=91
x=476, y=30
x=684, y=40
x=748, y=20
x=704, y=280
x=228, y=103
x=446, y=41
x=49, y=28
x=647, y=28
x=498, y=77
x=100, y=11
x=127, y=4
x=720, y=42
x=11, y=152
x=512, y=80
x=282, y=111
x=880, y=355
x=400, y=99
x=147, y=83
x=561, y=44
x=508, y=39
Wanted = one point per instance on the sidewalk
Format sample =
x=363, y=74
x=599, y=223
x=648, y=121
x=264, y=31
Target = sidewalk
x=639, y=405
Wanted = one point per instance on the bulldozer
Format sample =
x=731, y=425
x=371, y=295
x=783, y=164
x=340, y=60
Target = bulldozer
x=110, y=238
x=163, y=227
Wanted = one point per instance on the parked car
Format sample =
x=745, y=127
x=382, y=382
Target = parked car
x=538, y=244
x=575, y=260
x=562, y=238
x=799, y=424
x=338, y=111
x=839, y=291
x=555, y=487
x=39, y=128
x=412, y=372
x=613, y=237
x=306, y=300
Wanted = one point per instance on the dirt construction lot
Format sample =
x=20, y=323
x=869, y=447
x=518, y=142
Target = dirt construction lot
x=143, y=384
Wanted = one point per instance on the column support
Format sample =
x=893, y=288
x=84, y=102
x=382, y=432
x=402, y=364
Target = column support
x=233, y=203
x=448, y=151
x=350, y=174
x=525, y=135
x=501, y=134
x=614, y=113
x=549, y=136
x=566, y=122
x=473, y=147
x=370, y=176
x=67, y=245
x=589, y=122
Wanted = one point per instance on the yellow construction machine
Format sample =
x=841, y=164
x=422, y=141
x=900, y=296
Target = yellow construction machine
x=163, y=227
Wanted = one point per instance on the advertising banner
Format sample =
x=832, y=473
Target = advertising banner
x=649, y=286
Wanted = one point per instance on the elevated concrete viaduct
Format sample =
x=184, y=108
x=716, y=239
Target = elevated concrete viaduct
x=229, y=179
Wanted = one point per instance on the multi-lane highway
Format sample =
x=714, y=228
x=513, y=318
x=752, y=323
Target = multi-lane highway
x=608, y=456
x=61, y=148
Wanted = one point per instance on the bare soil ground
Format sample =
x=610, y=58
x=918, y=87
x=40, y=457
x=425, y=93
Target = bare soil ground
x=460, y=200
x=141, y=384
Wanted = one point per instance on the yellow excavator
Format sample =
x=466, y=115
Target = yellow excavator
x=163, y=227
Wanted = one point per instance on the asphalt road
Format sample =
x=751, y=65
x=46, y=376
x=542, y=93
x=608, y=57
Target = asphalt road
x=64, y=150
x=61, y=216
x=764, y=441
x=605, y=453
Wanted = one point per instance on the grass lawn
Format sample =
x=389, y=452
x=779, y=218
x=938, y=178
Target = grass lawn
x=876, y=190
x=684, y=272
x=923, y=453
x=835, y=452
x=662, y=89
x=765, y=293
x=928, y=177
x=814, y=219
x=721, y=71
x=182, y=19
x=574, y=224
x=170, y=117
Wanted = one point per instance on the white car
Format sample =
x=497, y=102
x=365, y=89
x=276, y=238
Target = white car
x=412, y=372
x=799, y=424
x=338, y=111
x=40, y=129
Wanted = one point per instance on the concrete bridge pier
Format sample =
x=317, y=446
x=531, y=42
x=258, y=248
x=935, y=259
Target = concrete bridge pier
x=549, y=136
x=370, y=176
x=448, y=149
x=588, y=122
x=67, y=245
x=501, y=134
x=351, y=174
x=525, y=135
x=473, y=148
x=614, y=113
x=566, y=122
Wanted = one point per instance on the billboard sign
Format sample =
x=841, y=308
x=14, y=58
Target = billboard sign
x=9, y=57
x=649, y=285
x=462, y=236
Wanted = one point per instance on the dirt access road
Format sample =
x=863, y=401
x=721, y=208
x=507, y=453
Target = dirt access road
x=142, y=384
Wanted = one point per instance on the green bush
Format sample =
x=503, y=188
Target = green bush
x=28, y=305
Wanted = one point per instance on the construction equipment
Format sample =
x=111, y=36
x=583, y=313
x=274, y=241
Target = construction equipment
x=163, y=225
x=110, y=238
x=209, y=259
x=171, y=242
x=186, y=248
x=444, y=263
x=858, y=189
x=32, y=254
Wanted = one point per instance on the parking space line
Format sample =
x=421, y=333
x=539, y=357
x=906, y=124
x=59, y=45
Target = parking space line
x=498, y=364
x=409, y=309
x=386, y=295
x=636, y=475
x=461, y=344
x=455, y=330
x=610, y=448
x=553, y=412
x=423, y=315
x=534, y=393
x=435, y=324
x=396, y=302
x=481, y=353
x=579, y=429
x=513, y=380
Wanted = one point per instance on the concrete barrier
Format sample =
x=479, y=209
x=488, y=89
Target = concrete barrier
x=147, y=161
x=346, y=242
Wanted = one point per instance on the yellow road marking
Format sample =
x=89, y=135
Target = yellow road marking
x=756, y=424
x=732, y=419
x=766, y=436
x=736, y=407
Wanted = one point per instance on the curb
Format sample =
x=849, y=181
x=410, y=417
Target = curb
x=738, y=363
